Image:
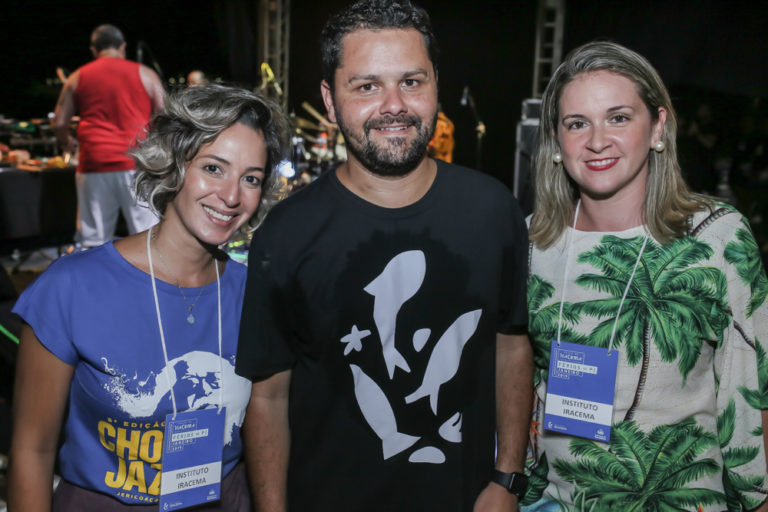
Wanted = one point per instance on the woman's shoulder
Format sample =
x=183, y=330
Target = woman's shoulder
x=88, y=260
x=67, y=278
x=726, y=231
x=717, y=219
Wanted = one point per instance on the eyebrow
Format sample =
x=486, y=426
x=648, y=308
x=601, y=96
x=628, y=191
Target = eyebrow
x=621, y=107
x=225, y=161
x=213, y=157
x=374, y=77
x=610, y=110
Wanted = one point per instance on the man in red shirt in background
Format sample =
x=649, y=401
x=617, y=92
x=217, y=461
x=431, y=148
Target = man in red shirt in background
x=115, y=99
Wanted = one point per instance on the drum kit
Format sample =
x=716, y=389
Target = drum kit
x=316, y=146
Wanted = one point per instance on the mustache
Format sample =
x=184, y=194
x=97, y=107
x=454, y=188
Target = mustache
x=381, y=122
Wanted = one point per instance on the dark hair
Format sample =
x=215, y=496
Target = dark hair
x=373, y=15
x=194, y=116
x=106, y=36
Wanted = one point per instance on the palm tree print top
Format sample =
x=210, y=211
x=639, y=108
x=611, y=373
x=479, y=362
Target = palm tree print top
x=692, y=374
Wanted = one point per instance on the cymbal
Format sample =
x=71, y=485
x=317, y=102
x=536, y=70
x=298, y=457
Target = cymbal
x=305, y=124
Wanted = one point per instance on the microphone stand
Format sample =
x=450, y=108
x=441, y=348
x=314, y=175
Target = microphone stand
x=140, y=47
x=468, y=100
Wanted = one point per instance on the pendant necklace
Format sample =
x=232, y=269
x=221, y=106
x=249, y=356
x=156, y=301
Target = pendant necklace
x=160, y=324
x=190, y=315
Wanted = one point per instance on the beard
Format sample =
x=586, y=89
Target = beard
x=394, y=157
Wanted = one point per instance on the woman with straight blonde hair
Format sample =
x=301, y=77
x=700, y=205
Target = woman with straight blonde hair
x=647, y=309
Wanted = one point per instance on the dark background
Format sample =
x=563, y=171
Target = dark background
x=708, y=52
x=713, y=51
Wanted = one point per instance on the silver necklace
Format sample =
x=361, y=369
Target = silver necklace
x=162, y=334
x=190, y=315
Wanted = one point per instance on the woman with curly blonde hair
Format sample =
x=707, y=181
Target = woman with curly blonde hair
x=128, y=345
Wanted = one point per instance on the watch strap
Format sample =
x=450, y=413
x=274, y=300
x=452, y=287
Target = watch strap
x=514, y=483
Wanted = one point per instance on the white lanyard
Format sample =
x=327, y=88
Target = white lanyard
x=162, y=336
x=569, y=256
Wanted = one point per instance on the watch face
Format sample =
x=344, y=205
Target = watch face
x=518, y=484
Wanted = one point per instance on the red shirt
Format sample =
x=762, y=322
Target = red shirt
x=114, y=109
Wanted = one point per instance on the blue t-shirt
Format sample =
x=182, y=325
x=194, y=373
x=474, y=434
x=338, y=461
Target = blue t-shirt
x=95, y=311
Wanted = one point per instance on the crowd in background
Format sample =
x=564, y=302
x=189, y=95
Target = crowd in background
x=723, y=146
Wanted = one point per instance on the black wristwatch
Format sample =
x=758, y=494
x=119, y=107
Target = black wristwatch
x=515, y=483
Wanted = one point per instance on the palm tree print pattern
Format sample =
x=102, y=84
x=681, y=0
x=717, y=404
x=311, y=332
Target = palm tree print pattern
x=693, y=376
x=671, y=301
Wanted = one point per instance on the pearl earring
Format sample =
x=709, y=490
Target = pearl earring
x=557, y=158
x=659, y=146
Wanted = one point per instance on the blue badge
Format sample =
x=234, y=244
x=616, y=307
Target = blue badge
x=192, y=453
x=580, y=390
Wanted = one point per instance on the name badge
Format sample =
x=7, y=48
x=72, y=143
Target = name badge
x=192, y=455
x=580, y=390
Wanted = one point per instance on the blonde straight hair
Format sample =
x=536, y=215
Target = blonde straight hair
x=668, y=200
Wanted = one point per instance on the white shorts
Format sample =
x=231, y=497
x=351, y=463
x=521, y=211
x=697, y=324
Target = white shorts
x=100, y=196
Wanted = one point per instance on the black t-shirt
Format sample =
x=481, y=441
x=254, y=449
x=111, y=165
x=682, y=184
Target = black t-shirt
x=387, y=319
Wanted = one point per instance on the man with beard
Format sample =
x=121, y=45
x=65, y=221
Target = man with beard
x=384, y=324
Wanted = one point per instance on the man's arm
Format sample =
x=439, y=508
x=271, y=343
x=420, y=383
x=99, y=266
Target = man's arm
x=266, y=436
x=514, y=399
x=153, y=86
x=39, y=400
x=62, y=115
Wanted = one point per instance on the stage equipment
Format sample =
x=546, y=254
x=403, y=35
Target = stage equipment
x=304, y=124
x=268, y=79
x=142, y=47
x=337, y=150
x=527, y=135
x=548, y=54
x=273, y=43
x=314, y=113
x=468, y=101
